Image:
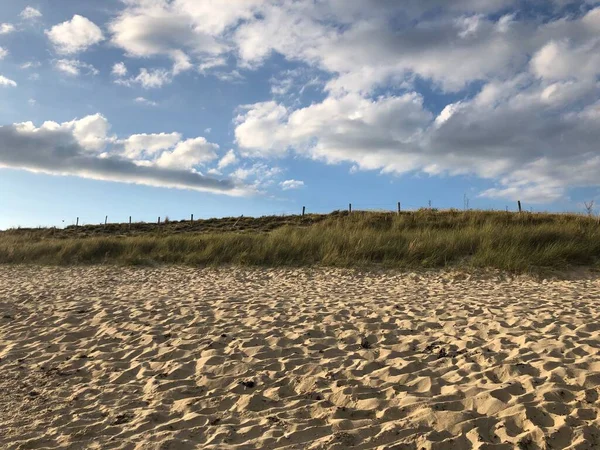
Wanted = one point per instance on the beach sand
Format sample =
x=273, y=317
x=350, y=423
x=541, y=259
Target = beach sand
x=178, y=358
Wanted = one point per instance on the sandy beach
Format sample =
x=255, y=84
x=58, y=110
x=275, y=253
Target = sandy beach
x=178, y=358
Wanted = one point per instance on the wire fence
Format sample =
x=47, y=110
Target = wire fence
x=316, y=208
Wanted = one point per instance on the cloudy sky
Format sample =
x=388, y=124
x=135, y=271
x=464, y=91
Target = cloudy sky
x=170, y=107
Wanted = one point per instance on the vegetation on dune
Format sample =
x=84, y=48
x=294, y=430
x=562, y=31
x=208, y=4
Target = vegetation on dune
x=420, y=239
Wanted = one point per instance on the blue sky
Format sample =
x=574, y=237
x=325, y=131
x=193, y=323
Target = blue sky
x=170, y=107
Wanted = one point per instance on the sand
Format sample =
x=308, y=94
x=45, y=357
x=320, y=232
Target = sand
x=178, y=358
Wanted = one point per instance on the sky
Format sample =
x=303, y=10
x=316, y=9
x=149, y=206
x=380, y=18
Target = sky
x=166, y=108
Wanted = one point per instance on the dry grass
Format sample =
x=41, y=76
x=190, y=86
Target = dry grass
x=421, y=239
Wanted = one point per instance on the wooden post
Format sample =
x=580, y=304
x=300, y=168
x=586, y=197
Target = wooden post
x=303, y=210
x=159, y=220
x=236, y=222
x=130, y=222
x=192, y=218
x=349, y=208
x=105, y=220
x=520, y=209
x=77, y=223
x=399, y=208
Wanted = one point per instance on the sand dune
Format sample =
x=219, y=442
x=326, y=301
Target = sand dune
x=177, y=358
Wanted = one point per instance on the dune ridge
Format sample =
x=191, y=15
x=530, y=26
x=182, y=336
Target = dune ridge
x=177, y=358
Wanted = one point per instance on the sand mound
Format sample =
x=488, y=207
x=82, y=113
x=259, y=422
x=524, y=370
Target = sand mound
x=176, y=358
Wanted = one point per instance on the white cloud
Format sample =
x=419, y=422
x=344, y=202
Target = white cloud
x=189, y=153
x=257, y=128
x=84, y=148
x=510, y=132
x=211, y=63
x=153, y=78
x=90, y=132
x=532, y=128
x=74, y=67
x=3, y=53
x=231, y=77
x=30, y=65
x=291, y=184
x=351, y=39
x=32, y=101
x=75, y=35
x=259, y=175
x=7, y=82
x=157, y=28
x=119, y=69
x=30, y=13
x=148, y=79
x=525, y=114
x=6, y=28
x=149, y=145
x=294, y=82
x=562, y=60
x=349, y=128
x=145, y=101
x=229, y=159
x=181, y=62
x=367, y=52
x=190, y=33
x=453, y=44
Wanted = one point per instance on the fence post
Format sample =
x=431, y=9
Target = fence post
x=350, y=208
x=520, y=209
x=130, y=222
x=399, y=208
x=303, y=210
x=105, y=220
x=77, y=223
x=159, y=220
x=192, y=218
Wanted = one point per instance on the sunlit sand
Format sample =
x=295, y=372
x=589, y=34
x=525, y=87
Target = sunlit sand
x=177, y=358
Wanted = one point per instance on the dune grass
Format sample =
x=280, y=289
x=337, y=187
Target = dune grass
x=421, y=239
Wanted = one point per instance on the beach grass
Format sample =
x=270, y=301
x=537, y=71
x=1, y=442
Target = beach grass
x=420, y=239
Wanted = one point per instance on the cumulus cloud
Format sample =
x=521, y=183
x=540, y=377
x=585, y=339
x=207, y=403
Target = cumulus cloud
x=30, y=13
x=6, y=28
x=160, y=28
x=288, y=185
x=525, y=86
x=363, y=45
x=531, y=128
x=84, y=148
x=74, y=67
x=535, y=144
x=188, y=154
x=353, y=40
x=3, y=53
x=349, y=128
x=144, y=146
x=7, y=82
x=119, y=69
x=75, y=35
